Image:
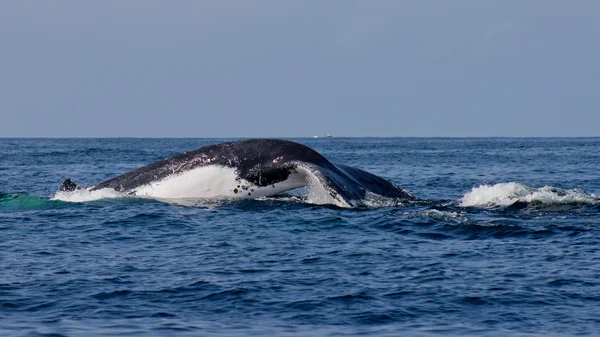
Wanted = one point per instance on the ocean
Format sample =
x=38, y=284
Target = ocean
x=503, y=240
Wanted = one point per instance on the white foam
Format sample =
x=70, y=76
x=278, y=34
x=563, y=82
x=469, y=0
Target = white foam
x=84, y=195
x=434, y=213
x=373, y=200
x=505, y=194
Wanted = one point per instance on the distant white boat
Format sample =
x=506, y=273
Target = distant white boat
x=329, y=135
x=315, y=136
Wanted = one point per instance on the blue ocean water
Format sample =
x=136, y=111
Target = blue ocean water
x=503, y=241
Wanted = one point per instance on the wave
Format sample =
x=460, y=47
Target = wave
x=512, y=193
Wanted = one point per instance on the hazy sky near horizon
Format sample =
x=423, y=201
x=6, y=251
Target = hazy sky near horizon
x=299, y=68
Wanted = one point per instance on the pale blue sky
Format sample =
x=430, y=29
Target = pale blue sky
x=299, y=68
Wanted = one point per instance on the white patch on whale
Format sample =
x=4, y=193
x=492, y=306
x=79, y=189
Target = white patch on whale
x=203, y=182
x=318, y=193
x=214, y=181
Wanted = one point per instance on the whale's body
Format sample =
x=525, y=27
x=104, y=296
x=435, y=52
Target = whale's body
x=248, y=169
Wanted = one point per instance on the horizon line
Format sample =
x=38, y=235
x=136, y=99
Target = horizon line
x=292, y=137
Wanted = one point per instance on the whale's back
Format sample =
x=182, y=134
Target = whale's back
x=249, y=168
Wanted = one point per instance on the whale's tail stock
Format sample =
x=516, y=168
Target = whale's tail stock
x=68, y=186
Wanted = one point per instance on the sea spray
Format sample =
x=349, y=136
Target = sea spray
x=506, y=194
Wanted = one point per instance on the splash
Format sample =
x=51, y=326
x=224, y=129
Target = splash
x=506, y=194
x=83, y=195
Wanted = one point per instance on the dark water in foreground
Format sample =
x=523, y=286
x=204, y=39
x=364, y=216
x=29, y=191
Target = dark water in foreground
x=517, y=256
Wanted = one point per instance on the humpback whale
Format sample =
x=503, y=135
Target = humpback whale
x=248, y=169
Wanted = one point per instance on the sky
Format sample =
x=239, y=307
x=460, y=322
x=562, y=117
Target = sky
x=225, y=68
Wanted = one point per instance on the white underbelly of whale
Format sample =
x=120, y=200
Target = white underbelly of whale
x=215, y=181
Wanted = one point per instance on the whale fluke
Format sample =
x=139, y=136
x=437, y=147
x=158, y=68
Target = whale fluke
x=249, y=169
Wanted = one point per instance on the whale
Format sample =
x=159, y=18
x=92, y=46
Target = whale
x=250, y=168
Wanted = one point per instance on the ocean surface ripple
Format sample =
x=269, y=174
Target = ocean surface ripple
x=503, y=241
